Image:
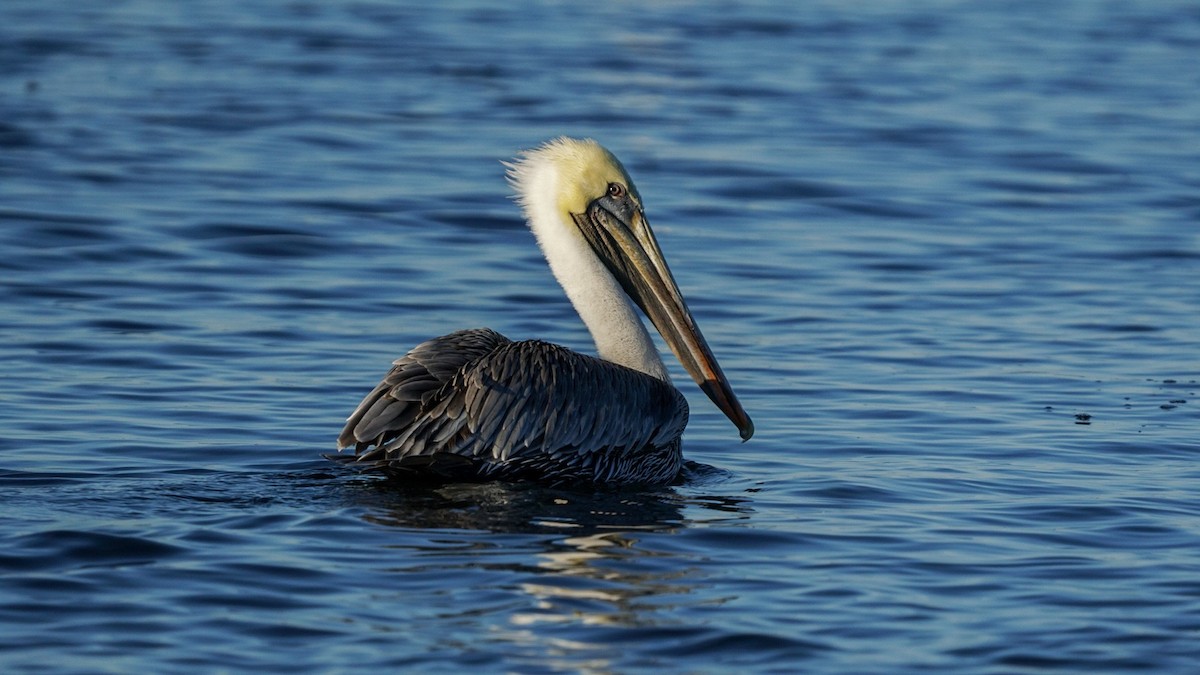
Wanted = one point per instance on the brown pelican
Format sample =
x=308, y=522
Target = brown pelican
x=474, y=405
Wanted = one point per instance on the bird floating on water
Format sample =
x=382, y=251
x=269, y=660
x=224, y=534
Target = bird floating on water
x=474, y=405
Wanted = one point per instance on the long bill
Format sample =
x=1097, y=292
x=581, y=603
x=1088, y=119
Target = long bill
x=630, y=251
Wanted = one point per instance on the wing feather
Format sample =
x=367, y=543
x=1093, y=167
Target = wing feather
x=399, y=398
x=514, y=407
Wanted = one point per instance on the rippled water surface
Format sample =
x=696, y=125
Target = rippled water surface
x=947, y=252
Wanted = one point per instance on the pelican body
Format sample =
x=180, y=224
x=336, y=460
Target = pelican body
x=474, y=405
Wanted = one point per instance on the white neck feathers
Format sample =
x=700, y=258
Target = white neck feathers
x=607, y=312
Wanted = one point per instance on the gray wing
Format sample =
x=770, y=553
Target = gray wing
x=413, y=380
x=528, y=404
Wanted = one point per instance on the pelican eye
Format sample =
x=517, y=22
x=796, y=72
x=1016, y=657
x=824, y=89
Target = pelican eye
x=616, y=190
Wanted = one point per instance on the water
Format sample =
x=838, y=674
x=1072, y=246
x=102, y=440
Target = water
x=947, y=252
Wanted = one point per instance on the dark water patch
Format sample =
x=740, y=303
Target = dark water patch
x=52, y=292
x=876, y=207
x=775, y=188
x=734, y=648
x=85, y=225
x=1181, y=201
x=760, y=541
x=1037, y=187
x=1071, y=514
x=851, y=494
x=471, y=71
x=303, y=294
x=274, y=246
x=128, y=255
x=1116, y=328
x=13, y=137
x=191, y=351
x=14, y=478
x=131, y=326
x=24, y=53
x=827, y=28
x=1017, y=658
x=329, y=141
x=524, y=508
x=348, y=206
x=220, y=230
x=923, y=136
x=1061, y=162
x=733, y=92
x=323, y=42
x=482, y=200
x=230, y=117
x=725, y=168
x=550, y=296
x=1150, y=254
x=477, y=221
x=101, y=177
x=898, y=267
x=1028, y=203
x=522, y=104
x=67, y=549
x=590, y=117
x=258, y=241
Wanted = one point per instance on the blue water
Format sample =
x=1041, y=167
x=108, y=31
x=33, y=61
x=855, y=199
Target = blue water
x=947, y=252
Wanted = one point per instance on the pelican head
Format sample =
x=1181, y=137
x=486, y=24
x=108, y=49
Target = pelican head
x=576, y=191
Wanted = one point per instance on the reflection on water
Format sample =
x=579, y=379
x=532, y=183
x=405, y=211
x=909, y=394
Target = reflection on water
x=591, y=567
x=526, y=508
x=588, y=580
x=500, y=507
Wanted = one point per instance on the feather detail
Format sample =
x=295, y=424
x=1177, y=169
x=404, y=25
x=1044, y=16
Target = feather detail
x=520, y=410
